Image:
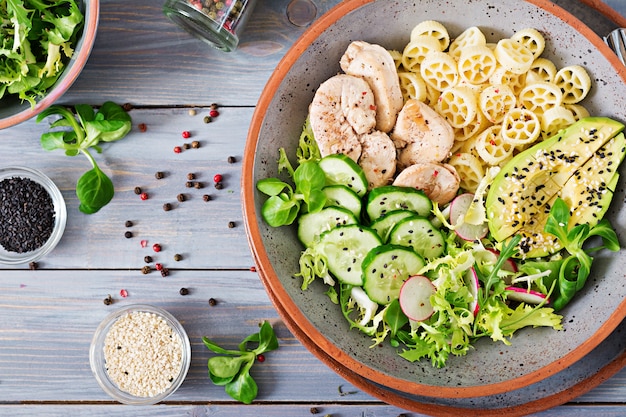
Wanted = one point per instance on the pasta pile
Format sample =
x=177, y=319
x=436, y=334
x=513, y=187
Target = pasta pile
x=499, y=98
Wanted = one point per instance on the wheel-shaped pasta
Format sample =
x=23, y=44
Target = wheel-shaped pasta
x=433, y=29
x=412, y=86
x=415, y=51
x=532, y=39
x=495, y=102
x=473, y=128
x=503, y=77
x=476, y=64
x=471, y=36
x=397, y=58
x=578, y=111
x=513, y=56
x=520, y=127
x=491, y=148
x=458, y=105
x=469, y=168
x=575, y=83
x=555, y=119
x=542, y=70
x=540, y=97
x=432, y=95
x=439, y=70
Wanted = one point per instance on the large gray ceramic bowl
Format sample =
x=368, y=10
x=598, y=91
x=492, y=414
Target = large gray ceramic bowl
x=14, y=111
x=490, y=368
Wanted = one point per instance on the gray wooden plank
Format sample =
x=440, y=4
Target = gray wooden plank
x=196, y=229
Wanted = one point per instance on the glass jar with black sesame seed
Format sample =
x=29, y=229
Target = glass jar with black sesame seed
x=217, y=22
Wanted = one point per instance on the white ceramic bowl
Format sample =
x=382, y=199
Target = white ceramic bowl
x=60, y=216
x=99, y=364
x=13, y=111
x=490, y=368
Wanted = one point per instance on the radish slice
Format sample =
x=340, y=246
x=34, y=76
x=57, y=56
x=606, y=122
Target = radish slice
x=466, y=231
x=471, y=280
x=415, y=298
x=526, y=296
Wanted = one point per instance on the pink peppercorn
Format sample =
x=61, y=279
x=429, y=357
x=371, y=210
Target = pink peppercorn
x=260, y=358
x=156, y=247
x=143, y=196
x=124, y=293
x=158, y=266
x=144, y=243
x=217, y=178
x=186, y=134
x=177, y=149
x=214, y=113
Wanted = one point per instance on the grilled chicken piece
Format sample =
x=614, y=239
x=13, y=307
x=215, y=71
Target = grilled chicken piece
x=421, y=134
x=440, y=182
x=343, y=108
x=375, y=64
x=378, y=158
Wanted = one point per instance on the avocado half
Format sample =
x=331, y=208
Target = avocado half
x=578, y=164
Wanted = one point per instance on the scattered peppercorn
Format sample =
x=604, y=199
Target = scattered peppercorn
x=314, y=410
x=198, y=185
x=192, y=112
x=128, y=223
x=186, y=146
x=218, y=178
x=156, y=247
x=186, y=134
x=146, y=270
x=178, y=257
x=158, y=266
x=207, y=119
x=124, y=293
x=232, y=159
x=219, y=185
x=137, y=190
x=167, y=207
x=184, y=291
x=108, y=300
x=231, y=225
x=189, y=184
x=214, y=113
x=165, y=272
x=253, y=269
x=212, y=302
x=142, y=127
x=191, y=176
x=214, y=106
x=181, y=197
x=195, y=144
x=177, y=149
x=147, y=259
x=127, y=106
x=159, y=175
x=143, y=196
x=33, y=266
x=260, y=358
x=128, y=234
x=206, y=197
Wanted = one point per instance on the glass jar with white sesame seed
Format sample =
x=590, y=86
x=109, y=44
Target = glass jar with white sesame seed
x=140, y=354
x=217, y=22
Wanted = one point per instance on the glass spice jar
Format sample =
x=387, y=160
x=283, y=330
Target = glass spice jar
x=217, y=22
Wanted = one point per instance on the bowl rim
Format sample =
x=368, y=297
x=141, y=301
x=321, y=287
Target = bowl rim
x=66, y=80
x=315, y=339
x=97, y=362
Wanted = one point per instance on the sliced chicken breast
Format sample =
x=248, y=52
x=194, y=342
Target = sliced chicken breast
x=440, y=182
x=343, y=108
x=376, y=65
x=421, y=134
x=378, y=158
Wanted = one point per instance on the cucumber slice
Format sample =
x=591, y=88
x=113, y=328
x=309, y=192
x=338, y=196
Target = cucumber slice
x=388, y=198
x=384, y=224
x=341, y=170
x=385, y=268
x=342, y=196
x=312, y=225
x=419, y=233
x=344, y=248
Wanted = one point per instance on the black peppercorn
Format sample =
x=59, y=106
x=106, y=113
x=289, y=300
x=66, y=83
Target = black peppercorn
x=127, y=107
x=128, y=235
x=146, y=270
x=191, y=176
x=231, y=225
x=128, y=223
x=159, y=175
x=232, y=160
x=178, y=257
x=181, y=197
x=165, y=272
x=147, y=259
x=33, y=265
x=219, y=185
x=206, y=197
x=167, y=207
x=314, y=410
x=137, y=190
x=212, y=302
x=184, y=291
x=195, y=144
x=198, y=185
x=189, y=184
x=214, y=106
x=108, y=300
x=186, y=146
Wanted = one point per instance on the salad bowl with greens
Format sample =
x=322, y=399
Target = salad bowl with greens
x=44, y=47
x=467, y=314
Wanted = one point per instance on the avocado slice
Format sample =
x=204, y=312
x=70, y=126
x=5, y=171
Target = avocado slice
x=588, y=194
x=520, y=194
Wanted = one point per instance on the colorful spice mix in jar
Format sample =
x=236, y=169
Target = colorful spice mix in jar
x=217, y=22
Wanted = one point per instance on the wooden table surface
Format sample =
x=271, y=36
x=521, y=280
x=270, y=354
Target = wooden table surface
x=49, y=314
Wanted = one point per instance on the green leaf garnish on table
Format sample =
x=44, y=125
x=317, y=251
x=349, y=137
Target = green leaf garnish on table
x=232, y=368
x=86, y=130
